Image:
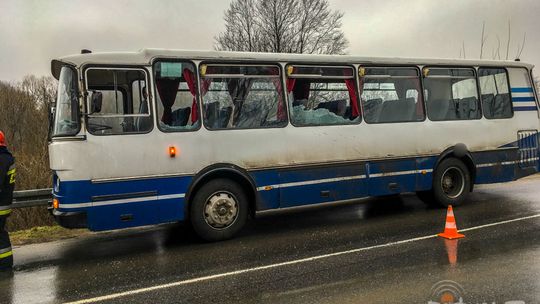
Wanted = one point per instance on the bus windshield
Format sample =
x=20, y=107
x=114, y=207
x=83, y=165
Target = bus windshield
x=66, y=117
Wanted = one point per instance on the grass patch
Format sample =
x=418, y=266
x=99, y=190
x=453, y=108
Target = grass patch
x=44, y=234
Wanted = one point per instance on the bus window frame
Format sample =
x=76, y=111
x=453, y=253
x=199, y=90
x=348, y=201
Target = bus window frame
x=325, y=65
x=507, y=82
x=139, y=94
x=475, y=69
x=281, y=76
x=81, y=109
x=422, y=88
x=198, y=101
x=84, y=79
x=535, y=90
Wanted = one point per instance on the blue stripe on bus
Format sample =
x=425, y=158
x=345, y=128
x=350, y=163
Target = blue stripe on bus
x=278, y=187
x=267, y=199
x=495, y=166
x=338, y=182
x=522, y=90
x=142, y=212
x=531, y=108
x=391, y=176
x=77, y=192
x=523, y=99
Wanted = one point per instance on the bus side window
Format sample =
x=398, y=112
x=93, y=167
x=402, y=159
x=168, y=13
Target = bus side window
x=122, y=110
x=495, y=94
x=242, y=96
x=322, y=95
x=391, y=94
x=453, y=94
x=176, y=96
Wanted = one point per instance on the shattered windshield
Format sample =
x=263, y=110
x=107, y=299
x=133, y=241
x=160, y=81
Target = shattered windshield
x=66, y=117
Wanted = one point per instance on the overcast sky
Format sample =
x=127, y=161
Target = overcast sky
x=34, y=32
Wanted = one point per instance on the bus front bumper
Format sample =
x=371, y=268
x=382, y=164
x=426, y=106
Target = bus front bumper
x=70, y=219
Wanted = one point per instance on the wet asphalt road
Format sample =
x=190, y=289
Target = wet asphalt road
x=383, y=252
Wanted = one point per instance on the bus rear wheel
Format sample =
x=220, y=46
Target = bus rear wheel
x=451, y=184
x=219, y=210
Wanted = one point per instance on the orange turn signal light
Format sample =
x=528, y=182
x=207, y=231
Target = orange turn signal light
x=55, y=203
x=172, y=151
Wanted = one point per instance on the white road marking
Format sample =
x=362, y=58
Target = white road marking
x=500, y=223
x=276, y=265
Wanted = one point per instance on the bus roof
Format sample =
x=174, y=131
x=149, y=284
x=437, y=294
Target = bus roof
x=145, y=57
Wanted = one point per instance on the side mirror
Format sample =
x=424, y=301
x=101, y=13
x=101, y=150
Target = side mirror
x=95, y=102
x=52, y=111
x=51, y=114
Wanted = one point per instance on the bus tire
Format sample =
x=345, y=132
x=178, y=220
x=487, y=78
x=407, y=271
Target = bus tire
x=451, y=183
x=219, y=210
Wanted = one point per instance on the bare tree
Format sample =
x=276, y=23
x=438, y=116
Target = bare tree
x=521, y=47
x=496, y=51
x=24, y=119
x=508, y=41
x=282, y=26
x=482, y=39
x=241, y=30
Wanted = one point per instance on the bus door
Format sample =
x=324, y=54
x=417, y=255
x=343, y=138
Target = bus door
x=118, y=121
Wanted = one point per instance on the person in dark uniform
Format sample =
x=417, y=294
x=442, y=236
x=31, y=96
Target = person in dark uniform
x=7, y=183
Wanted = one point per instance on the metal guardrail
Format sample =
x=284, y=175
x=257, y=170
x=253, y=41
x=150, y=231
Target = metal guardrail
x=32, y=198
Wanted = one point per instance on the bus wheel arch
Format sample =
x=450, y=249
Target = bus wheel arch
x=456, y=166
x=223, y=171
x=461, y=152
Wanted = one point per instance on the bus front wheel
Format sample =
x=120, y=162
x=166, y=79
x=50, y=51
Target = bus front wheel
x=219, y=210
x=451, y=184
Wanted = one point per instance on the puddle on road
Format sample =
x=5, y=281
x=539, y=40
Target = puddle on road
x=36, y=286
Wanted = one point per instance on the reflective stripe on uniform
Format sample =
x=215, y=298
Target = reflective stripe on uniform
x=5, y=252
x=11, y=169
x=11, y=175
x=5, y=210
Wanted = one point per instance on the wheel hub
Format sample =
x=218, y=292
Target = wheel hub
x=453, y=182
x=448, y=182
x=221, y=210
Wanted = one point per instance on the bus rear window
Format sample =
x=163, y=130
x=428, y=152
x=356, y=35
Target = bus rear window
x=496, y=101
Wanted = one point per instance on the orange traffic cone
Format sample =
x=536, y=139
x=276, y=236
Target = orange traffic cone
x=450, y=228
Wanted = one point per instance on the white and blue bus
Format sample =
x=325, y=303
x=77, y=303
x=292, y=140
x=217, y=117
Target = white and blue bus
x=158, y=136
